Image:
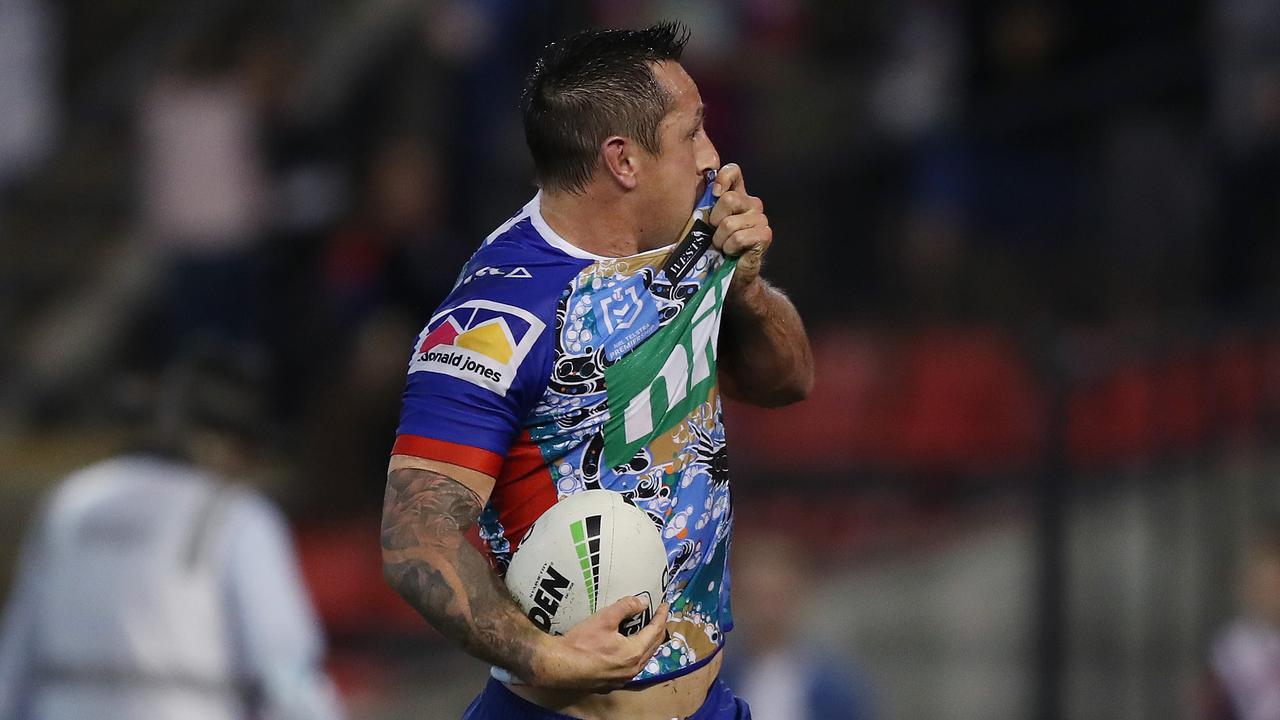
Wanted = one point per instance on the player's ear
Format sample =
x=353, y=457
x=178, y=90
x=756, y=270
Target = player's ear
x=619, y=155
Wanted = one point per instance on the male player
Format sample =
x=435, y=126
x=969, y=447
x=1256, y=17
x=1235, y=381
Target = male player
x=578, y=351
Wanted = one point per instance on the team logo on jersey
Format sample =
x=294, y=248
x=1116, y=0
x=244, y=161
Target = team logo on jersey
x=479, y=341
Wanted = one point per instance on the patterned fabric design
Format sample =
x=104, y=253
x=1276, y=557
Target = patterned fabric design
x=680, y=478
x=558, y=372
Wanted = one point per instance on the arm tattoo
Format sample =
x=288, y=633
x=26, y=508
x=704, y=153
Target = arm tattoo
x=431, y=565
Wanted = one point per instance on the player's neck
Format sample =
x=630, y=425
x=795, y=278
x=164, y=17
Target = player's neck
x=597, y=221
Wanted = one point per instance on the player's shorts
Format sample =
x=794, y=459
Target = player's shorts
x=499, y=703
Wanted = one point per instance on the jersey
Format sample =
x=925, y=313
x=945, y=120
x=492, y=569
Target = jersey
x=558, y=371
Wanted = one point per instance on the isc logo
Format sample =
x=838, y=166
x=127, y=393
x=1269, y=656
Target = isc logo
x=497, y=272
x=547, y=596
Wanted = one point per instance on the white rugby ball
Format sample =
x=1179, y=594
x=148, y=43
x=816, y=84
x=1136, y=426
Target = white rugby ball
x=584, y=553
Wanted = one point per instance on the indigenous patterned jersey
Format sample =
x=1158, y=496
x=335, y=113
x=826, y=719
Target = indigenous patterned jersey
x=557, y=371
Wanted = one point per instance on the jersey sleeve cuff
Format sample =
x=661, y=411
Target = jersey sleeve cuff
x=472, y=458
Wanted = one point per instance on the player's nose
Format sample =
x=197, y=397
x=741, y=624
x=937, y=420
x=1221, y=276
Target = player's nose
x=707, y=157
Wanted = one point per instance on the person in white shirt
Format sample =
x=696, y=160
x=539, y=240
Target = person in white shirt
x=151, y=587
x=1244, y=677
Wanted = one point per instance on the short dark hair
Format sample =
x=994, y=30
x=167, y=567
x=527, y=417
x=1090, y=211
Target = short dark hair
x=593, y=85
x=213, y=386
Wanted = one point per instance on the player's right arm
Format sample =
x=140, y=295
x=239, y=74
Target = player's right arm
x=477, y=370
x=429, y=506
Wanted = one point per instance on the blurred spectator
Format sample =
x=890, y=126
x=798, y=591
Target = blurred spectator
x=775, y=667
x=917, y=91
x=1248, y=67
x=152, y=587
x=29, y=43
x=398, y=251
x=204, y=188
x=380, y=277
x=1247, y=95
x=1244, y=684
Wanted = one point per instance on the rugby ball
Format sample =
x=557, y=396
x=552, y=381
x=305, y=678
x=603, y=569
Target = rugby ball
x=584, y=553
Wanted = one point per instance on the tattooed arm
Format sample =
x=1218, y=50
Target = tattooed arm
x=429, y=562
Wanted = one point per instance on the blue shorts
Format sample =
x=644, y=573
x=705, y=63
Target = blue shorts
x=499, y=703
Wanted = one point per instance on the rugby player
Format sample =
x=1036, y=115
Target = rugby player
x=570, y=356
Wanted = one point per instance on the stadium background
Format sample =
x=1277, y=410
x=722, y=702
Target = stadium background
x=1035, y=244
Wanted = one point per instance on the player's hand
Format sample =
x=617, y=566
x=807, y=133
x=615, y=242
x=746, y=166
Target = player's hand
x=742, y=228
x=594, y=656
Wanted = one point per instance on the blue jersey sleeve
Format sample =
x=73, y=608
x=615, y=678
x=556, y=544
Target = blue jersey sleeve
x=484, y=358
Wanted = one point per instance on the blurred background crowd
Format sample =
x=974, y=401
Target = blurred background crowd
x=1037, y=246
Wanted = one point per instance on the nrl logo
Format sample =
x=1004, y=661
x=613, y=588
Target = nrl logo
x=636, y=623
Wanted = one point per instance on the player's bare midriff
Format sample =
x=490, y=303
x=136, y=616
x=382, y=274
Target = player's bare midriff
x=678, y=698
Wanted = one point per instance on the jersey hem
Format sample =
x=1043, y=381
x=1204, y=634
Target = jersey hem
x=506, y=678
x=674, y=673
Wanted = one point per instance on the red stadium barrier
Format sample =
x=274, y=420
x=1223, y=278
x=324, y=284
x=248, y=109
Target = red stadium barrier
x=342, y=567
x=944, y=399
